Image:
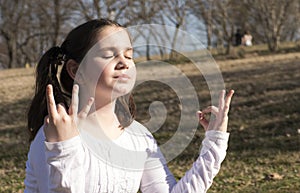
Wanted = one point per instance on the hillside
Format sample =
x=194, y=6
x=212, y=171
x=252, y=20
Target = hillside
x=264, y=148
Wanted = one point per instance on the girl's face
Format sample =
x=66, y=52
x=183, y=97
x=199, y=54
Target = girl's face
x=112, y=57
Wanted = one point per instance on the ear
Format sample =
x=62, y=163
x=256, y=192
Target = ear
x=72, y=67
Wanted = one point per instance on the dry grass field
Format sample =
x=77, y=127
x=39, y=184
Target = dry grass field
x=264, y=148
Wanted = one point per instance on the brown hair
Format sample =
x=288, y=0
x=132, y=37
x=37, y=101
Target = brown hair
x=75, y=46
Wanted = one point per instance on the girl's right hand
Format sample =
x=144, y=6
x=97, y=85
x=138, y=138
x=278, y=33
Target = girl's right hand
x=61, y=125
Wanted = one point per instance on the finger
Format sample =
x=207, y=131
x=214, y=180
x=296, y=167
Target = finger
x=46, y=120
x=228, y=101
x=75, y=100
x=202, y=120
x=84, y=112
x=61, y=109
x=51, y=106
x=211, y=109
x=221, y=99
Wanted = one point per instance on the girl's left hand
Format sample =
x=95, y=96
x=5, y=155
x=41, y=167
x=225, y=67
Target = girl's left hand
x=221, y=114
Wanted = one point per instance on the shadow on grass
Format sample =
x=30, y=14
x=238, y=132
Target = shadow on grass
x=14, y=145
x=264, y=109
x=264, y=122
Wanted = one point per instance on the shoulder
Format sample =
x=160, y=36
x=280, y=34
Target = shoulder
x=139, y=130
x=36, y=152
x=37, y=145
x=135, y=125
x=36, y=166
x=140, y=135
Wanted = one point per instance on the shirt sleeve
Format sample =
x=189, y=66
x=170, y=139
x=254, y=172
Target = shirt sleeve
x=66, y=172
x=31, y=185
x=157, y=177
x=196, y=180
x=36, y=179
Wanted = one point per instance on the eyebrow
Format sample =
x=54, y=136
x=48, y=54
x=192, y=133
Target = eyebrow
x=114, y=48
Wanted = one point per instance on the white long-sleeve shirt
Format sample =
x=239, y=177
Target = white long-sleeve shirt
x=73, y=166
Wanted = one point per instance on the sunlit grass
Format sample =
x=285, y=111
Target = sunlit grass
x=264, y=124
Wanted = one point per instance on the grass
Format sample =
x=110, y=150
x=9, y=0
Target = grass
x=15, y=91
x=264, y=148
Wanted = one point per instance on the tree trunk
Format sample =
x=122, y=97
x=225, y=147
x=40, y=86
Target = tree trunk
x=274, y=45
x=12, y=53
x=173, y=54
x=148, y=51
x=228, y=49
x=56, y=22
x=209, y=34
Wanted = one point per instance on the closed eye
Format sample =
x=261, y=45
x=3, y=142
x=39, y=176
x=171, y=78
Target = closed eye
x=107, y=57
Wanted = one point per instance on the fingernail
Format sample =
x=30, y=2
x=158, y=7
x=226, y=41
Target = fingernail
x=200, y=115
x=91, y=99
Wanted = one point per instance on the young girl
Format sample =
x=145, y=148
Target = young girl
x=60, y=158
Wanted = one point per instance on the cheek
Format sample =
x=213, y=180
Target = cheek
x=99, y=69
x=94, y=67
x=105, y=76
x=132, y=73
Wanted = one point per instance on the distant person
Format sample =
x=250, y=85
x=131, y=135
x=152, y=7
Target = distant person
x=238, y=37
x=247, y=39
x=59, y=159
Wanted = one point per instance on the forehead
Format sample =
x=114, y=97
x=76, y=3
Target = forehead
x=112, y=36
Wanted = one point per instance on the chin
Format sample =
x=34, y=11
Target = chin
x=122, y=88
x=121, y=91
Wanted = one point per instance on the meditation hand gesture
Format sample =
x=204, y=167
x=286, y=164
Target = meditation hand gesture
x=61, y=125
x=221, y=114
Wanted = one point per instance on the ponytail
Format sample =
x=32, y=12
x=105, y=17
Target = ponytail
x=46, y=73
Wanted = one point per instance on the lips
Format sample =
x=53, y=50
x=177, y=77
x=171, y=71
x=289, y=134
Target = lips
x=122, y=77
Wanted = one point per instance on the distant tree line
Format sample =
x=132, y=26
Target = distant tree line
x=30, y=27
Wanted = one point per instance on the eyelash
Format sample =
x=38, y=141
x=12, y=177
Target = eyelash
x=109, y=57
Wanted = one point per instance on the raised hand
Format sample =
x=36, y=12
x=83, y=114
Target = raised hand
x=221, y=114
x=61, y=125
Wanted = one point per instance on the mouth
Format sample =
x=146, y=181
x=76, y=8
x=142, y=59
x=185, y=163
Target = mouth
x=123, y=77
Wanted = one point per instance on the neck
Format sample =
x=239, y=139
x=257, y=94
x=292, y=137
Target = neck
x=103, y=114
x=105, y=110
x=107, y=119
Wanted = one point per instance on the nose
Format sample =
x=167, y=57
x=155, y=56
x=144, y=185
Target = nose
x=121, y=66
x=122, y=63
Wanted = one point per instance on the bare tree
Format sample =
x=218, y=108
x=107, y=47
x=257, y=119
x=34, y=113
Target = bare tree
x=145, y=12
x=221, y=19
x=126, y=12
x=11, y=21
x=91, y=9
x=173, y=13
x=271, y=17
x=203, y=10
x=30, y=27
x=58, y=16
x=225, y=16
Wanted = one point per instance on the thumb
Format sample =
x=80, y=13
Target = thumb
x=46, y=120
x=202, y=120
